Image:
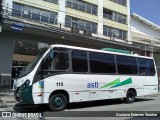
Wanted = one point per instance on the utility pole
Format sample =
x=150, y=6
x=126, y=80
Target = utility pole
x=1, y=16
x=0, y=11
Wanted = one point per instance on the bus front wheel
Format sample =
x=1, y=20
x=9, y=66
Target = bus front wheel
x=57, y=102
x=130, y=96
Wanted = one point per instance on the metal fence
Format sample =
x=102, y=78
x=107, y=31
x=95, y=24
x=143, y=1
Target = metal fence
x=48, y=17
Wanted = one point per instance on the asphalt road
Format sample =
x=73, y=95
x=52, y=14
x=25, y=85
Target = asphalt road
x=99, y=109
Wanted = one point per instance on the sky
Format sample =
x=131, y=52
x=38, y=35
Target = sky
x=149, y=9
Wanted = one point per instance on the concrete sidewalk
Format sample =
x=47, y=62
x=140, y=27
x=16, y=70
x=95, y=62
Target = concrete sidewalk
x=7, y=99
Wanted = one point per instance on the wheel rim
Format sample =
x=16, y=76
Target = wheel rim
x=130, y=96
x=58, y=101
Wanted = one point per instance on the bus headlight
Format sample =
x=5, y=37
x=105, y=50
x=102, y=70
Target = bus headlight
x=25, y=84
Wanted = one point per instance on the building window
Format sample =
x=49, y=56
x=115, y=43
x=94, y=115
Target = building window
x=82, y=6
x=111, y=15
x=113, y=32
x=17, y=10
x=27, y=12
x=127, y=65
x=52, y=1
x=81, y=24
x=79, y=61
x=45, y=18
x=34, y=14
x=121, y=2
x=102, y=63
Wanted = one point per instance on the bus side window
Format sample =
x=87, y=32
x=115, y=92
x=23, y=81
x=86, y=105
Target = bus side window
x=146, y=67
x=79, y=61
x=59, y=61
x=126, y=65
x=143, y=71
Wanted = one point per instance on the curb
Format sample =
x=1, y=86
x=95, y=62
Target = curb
x=6, y=104
x=7, y=100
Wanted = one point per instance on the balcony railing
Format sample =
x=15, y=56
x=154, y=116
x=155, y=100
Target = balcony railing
x=81, y=27
x=113, y=35
x=50, y=21
x=34, y=17
x=115, y=18
x=91, y=9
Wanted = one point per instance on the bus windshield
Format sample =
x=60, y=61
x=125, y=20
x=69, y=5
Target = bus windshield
x=32, y=64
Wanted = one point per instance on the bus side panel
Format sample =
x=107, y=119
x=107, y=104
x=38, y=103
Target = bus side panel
x=80, y=96
x=85, y=87
x=140, y=91
x=41, y=90
x=75, y=85
x=38, y=99
x=150, y=85
x=113, y=86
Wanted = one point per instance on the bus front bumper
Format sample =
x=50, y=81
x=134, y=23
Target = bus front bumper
x=17, y=94
x=24, y=95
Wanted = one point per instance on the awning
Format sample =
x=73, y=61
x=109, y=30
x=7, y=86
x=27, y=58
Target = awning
x=24, y=58
x=138, y=37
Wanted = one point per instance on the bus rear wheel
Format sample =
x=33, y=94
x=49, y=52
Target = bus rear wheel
x=57, y=102
x=130, y=96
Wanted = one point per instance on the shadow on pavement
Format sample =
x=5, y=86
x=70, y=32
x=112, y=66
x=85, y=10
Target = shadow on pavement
x=101, y=103
x=28, y=108
x=21, y=107
x=143, y=99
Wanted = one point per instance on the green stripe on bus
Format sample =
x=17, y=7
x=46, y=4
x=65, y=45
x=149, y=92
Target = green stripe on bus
x=112, y=83
x=125, y=82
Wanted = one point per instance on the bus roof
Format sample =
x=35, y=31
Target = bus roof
x=116, y=50
x=95, y=50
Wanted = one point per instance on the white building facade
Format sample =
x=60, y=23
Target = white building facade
x=146, y=35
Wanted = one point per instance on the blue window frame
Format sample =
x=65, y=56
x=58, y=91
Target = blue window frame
x=146, y=67
x=102, y=63
x=79, y=61
x=127, y=65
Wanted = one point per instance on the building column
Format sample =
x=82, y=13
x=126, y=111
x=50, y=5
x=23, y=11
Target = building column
x=151, y=49
x=129, y=22
x=0, y=28
x=6, y=52
x=7, y=6
x=62, y=12
x=100, y=17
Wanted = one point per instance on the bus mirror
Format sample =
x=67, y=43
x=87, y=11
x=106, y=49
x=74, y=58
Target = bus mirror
x=51, y=53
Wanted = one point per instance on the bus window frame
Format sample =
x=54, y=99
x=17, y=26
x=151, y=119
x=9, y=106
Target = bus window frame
x=72, y=71
x=115, y=60
x=154, y=65
x=125, y=73
x=115, y=65
x=52, y=72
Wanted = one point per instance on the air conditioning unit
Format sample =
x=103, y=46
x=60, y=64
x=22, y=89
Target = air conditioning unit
x=112, y=38
x=75, y=29
x=87, y=32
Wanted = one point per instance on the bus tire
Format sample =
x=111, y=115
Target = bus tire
x=130, y=96
x=57, y=102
